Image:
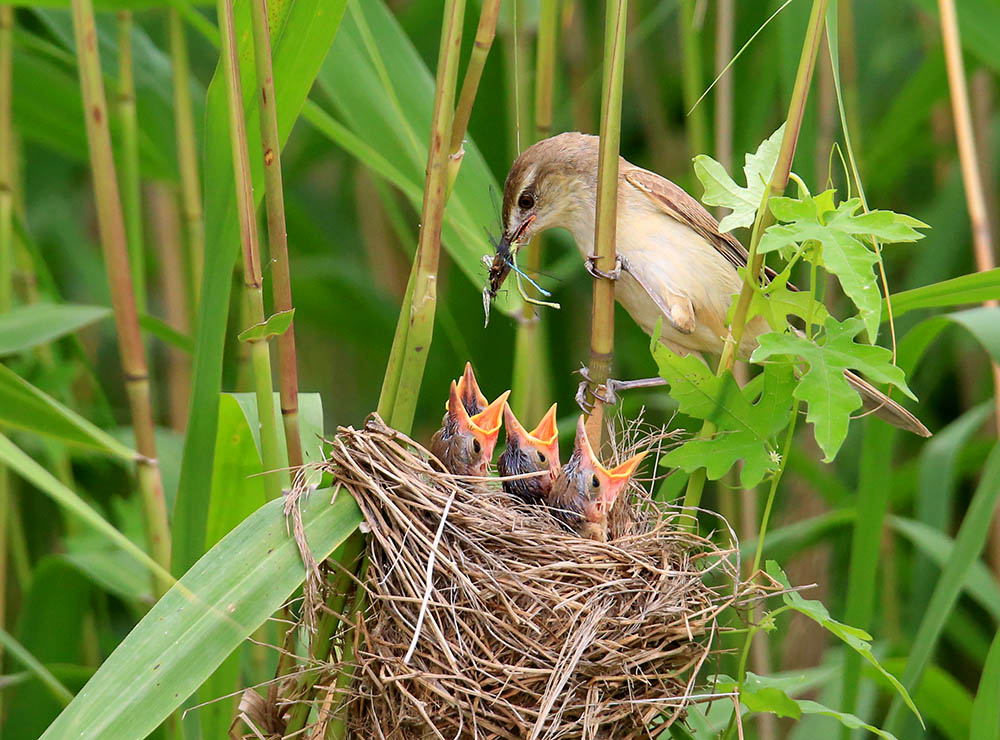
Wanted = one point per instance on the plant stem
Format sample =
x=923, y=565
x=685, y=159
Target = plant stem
x=165, y=227
x=277, y=237
x=697, y=126
x=602, y=337
x=530, y=383
x=779, y=180
x=724, y=21
x=129, y=159
x=187, y=157
x=972, y=177
x=486, y=32
x=252, y=278
x=6, y=262
x=111, y=225
x=423, y=302
x=326, y=627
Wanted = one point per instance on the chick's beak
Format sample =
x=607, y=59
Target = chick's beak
x=468, y=391
x=612, y=481
x=486, y=424
x=547, y=436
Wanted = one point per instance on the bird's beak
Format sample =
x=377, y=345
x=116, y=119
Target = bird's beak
x=544, y=437
x=468, y=391
x=613, y=481
x=486, y=424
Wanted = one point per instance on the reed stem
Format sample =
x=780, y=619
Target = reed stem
x=486, y=32
x=277, y=237
x=423, y=302
x=111, y=225
x=972, y=178
x=6, y=261
x=530, y=383
x=187, y=158
x=602, y=336
x=692, y=81
x=724, y=22
x=779, y=181
x=252, y=278
x=129, y=174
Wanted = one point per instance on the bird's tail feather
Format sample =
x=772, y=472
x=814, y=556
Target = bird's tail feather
x=884, y=407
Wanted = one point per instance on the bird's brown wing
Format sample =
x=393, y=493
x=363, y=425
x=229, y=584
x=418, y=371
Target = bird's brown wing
x=681, y=207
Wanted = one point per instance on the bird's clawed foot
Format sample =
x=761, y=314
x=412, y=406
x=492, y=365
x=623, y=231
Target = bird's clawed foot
x=590, y=264
x=606, y=392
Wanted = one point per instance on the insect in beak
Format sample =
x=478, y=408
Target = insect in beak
x=503, y=262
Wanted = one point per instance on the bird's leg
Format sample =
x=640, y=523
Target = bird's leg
x=607, y=392
x=590, y=264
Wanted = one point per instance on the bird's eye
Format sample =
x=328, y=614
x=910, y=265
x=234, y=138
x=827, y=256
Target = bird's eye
x=594, y=482
x=541, y=456
x=476, y=446
x=526, y=201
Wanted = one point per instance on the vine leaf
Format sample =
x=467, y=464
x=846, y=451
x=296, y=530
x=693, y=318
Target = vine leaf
x=823, y=387
x=838, y=237
x=746, y=419
x=722, y=190
x=856, y=639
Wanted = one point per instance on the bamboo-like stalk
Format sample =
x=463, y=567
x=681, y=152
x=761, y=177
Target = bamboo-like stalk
x=281, y=284
x=187, y=157
x=486, y=32
x=252, y=278
x=111, y=225
x=972, y=180
x=423, y=302
x=165, y=227
x=6, y=258
x=322, y=641
x=129, y=175
x=530, y=382
x=697, y=126
x=602, y=335
x=724, y=22
x=779, y=181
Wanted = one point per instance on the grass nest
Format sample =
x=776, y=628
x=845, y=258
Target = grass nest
x=486, y=619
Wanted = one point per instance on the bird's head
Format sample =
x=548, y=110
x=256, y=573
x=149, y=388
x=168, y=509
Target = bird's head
x=597, y=486
x=536, y=450
x=468, y=390
x=553, y=183
x=473, y=436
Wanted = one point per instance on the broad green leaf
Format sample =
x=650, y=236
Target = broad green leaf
x=273, y=326
x=384, y=107
x=27, y=326
x=982, y=323
x=849, y=721
x=166, y=333
x=836, y=232
x=27, y=408
x=977, y=582
x=21, y=463
x=775, y=302
x=746, y=419
x=856, y=639
x=310, y=423
x=300, y=38
x=722, y=190
x=984, y=722
x=19, y=654
x=770, y=694
x=216, y=605
x=823, y=387
x=974, y=288
x=108, y=567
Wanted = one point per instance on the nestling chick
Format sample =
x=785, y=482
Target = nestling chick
x=466, y=442
x=530, y=452
x=584, y=492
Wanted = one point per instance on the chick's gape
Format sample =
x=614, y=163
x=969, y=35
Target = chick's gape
x=674, y=263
